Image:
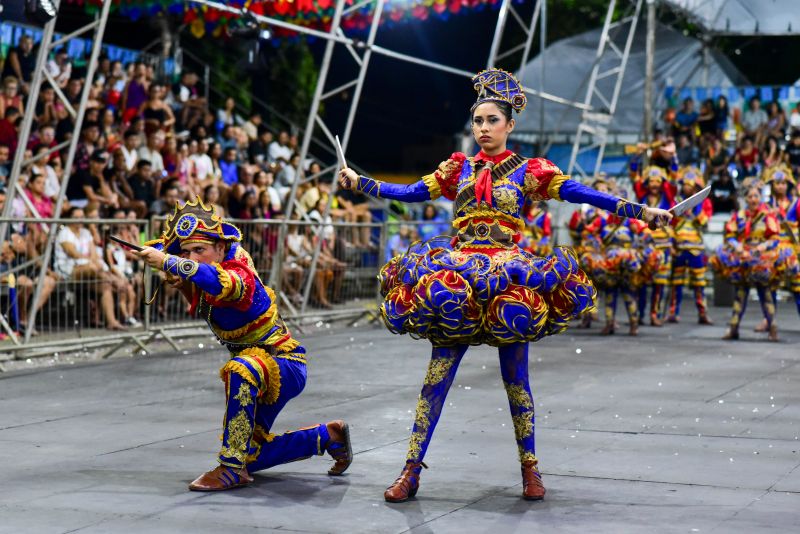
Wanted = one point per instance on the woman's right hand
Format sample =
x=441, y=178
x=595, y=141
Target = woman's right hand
x=348, y=178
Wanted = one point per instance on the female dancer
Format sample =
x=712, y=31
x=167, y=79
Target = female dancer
x=480, y=287
x=751, y=257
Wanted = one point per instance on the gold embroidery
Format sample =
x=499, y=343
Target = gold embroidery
x=527, y=456
x=448, y=167
x=506, y=200
x=532, y=185
x=518, y=396
x=239, y=433
x=421, y=419
x=489, y=213
x=415, y=445
x=438, y=368
x=243, y=396
x=523, y=424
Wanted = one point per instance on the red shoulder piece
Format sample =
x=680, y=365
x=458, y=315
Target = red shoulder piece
x=542, y=172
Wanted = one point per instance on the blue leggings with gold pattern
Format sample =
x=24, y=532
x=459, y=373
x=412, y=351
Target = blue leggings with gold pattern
x=441, y=372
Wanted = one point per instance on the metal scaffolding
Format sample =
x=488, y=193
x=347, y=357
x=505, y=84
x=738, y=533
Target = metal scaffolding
x=40, y=74
x=600, y=106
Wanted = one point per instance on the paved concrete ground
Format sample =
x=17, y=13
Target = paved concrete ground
x=673, y=431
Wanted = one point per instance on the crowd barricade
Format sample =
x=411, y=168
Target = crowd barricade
x=95, y=296
x=322, y=273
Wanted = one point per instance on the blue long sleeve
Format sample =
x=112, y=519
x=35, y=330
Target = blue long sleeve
x=203, y=275
x=577, y=193
x=417, y=192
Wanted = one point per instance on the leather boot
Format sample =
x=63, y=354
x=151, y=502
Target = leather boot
x=532, y=487
x=773, y=333
x=339, y=447
x=704, y=319
x=732, y=333
x=655, y=321
x=607, y=330
x=221, y=478
x=762, y=326
x=634, y=328
x=406, y=485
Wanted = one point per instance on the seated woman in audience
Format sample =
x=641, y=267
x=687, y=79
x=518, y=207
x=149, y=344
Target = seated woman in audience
x=76, y=259
x=121, y=266
x=156, y=112
x=772, y=153
x=211, y=198
x=747, y=158
x=332, y=268
x=776, y=121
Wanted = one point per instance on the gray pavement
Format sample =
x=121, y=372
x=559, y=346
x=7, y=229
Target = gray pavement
x=673, y=431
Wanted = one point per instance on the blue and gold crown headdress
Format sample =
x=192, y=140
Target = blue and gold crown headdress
x=778, y=173
x=496, y=85
x=692, y=175
x=194, y=221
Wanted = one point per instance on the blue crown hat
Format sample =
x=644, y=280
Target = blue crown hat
x=193, y=219
x=499, y=85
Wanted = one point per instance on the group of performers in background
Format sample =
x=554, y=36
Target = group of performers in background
x=626, y=258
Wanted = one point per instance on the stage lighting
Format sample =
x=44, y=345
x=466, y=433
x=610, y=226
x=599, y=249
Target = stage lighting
x=265, y=35
x=40, y=11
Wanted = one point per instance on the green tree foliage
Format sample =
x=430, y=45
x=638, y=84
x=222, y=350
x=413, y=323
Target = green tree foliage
x=293, y=75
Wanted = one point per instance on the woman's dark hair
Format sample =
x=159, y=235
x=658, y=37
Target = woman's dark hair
x=504, y=107
x=207, y=189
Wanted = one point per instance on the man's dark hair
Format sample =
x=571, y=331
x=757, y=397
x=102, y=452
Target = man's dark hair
x=143, y=163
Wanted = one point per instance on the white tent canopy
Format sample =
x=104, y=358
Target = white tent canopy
x=679, y=62
x=742, y=17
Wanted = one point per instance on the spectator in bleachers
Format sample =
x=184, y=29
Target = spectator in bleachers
x=44, y=167
x=686, y=119
x=73, y=91
x=792, y=154
x=45, y=137
x=203, y=166
x=90, y=134
x=398, y=243
x=190, y=105
x=288, y=174
x=89, y=185
x=60, y=68
x=121, y=264
x=156, y=112
x=279, y=150
x=229, y=167
x=130, y=149
x=142, y=183
x=754, y=119
x=794, y=119
x=776, y=121
x=707, y=119
x=14, y=253
x=211, y=198
x=109, y=129
x=117, y=180
x=20, y=62
x=226, y=115
x=252, y=125
x=170, y=196
x=135, y=93
x=49, y=109
x=76, y=259
x=747, y=158
x=5, y=163
x=688, y=153
x=772, y=153
x=152, y=153
x=723, y=194
x=35, y=191
x=722, y=113
x=258, y=151
x=11, y=97
x=8, y=128
x=356, y=210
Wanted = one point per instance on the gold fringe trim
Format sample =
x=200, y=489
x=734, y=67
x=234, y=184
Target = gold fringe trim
x=241, y=369
x=434, y=189
x=273, y=381
x=225, y=280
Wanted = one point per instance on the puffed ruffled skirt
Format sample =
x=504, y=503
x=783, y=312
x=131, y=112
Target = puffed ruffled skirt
x=770, y=268
x=450, y=295
x=621, y=267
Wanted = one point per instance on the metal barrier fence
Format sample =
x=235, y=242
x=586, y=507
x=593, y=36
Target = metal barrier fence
x=94, y=290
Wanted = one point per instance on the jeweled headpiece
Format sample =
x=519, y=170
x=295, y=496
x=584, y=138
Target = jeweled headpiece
x=654, y=173
x=778, y=173
x=495, y=85
x=194, y=222
x=692, y=175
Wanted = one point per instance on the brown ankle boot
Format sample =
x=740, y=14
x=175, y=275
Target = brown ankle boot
x=339, y=447
x=704, y=319
x=407, y=483
x=221, y=478
x=608, y=330
x=732, y=333
x=532, y=487
x=655, y=321
x=773, y=333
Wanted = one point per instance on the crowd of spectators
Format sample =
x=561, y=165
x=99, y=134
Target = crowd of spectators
x=144, y=144
x=732, y=144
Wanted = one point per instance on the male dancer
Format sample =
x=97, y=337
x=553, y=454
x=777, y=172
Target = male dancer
x=201, y=256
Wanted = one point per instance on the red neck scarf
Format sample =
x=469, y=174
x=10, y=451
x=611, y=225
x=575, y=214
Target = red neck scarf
x=483, y=184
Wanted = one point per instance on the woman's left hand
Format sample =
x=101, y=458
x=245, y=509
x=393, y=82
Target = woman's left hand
x=152, y=257
x=656, y=217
